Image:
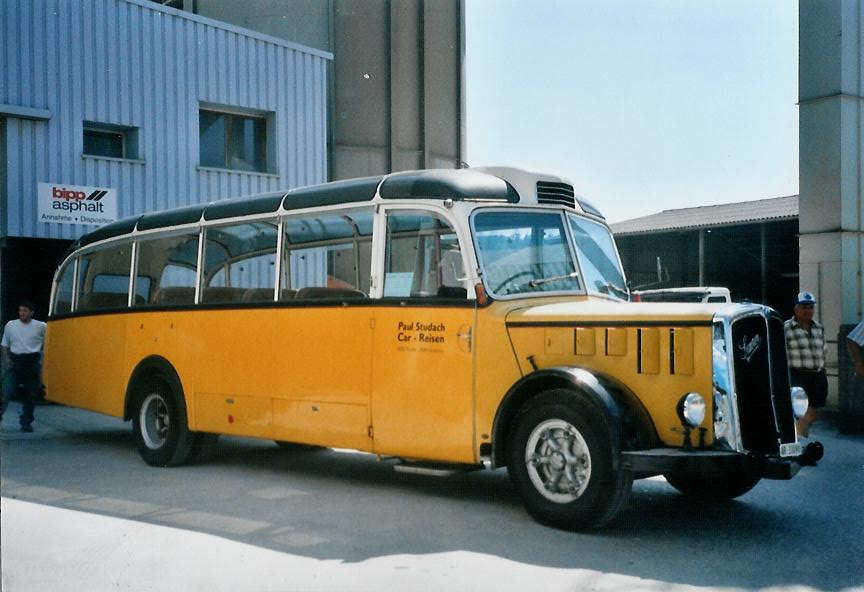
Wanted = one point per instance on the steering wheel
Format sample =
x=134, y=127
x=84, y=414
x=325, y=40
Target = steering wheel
x=511, y=278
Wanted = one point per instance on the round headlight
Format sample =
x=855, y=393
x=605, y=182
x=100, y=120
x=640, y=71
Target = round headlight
x=691, y=409
x=799, y=401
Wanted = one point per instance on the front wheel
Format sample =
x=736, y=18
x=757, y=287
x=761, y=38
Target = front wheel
x=159, y=423
x=561, y=459
x=714, y=487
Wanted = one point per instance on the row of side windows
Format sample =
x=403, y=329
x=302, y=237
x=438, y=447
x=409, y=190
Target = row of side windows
x=326, y=255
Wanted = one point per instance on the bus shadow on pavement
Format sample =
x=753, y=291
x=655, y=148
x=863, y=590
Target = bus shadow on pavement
x=332, y=504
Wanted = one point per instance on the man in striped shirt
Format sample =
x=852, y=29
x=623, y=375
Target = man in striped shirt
x=805, y=345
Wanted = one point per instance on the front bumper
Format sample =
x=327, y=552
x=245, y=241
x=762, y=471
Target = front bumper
x=678, y=460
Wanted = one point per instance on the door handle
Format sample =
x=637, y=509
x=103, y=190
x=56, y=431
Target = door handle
x=464, y=335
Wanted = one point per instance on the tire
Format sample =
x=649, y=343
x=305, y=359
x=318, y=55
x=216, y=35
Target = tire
x=159, y=424
x=561, y=460
x=714, y=487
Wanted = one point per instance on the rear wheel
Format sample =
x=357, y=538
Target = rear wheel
x=159, y=422
x=714, y=487
x=562, y=462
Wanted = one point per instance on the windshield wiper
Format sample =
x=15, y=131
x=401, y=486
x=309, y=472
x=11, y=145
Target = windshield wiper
x=609, y=285
x=555, y=278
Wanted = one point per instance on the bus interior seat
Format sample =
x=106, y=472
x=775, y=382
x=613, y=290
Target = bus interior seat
x=451, y=267
x=174, y=295
x=266, y=295
x=221, y=294
x=258, y=295
x=313, y=292
x=99, y=300
x=452, y=292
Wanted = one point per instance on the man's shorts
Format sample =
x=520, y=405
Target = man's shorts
x=814, y=382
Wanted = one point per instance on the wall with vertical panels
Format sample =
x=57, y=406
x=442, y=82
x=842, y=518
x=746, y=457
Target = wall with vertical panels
x=135, y=63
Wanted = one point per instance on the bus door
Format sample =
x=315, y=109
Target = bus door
x=422, y=367
x=323, y=334
x=234, y=332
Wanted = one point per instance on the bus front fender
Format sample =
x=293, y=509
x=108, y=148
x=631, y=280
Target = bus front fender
x=588, y=387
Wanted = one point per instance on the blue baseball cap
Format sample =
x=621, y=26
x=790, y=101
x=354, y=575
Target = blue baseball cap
x=805, y=298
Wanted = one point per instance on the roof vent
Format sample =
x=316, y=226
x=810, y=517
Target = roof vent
x=555, y=194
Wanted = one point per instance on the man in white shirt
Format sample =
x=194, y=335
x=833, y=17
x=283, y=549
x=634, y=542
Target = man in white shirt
x=21, y=349
x=854, y=342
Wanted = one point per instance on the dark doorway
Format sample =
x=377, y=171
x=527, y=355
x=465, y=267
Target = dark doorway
x=27, y=267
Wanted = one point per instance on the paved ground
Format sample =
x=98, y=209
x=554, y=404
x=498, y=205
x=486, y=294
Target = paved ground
x=79, y=504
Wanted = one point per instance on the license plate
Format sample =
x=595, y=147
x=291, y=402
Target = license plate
x=790, y=449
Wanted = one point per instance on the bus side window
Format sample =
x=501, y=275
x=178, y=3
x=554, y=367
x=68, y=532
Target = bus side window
x=103, y=281
x=327, y=255
x=167, y=264
x=63, y=294
x=422, y=258
x=240, y=263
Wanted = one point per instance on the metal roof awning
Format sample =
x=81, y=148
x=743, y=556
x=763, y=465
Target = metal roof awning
x=748, y=212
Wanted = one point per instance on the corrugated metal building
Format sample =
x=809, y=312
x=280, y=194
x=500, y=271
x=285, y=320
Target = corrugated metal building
x=749, y=247
x=129, y=106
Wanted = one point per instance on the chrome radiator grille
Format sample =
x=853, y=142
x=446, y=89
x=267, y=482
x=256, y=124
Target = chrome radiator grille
x=762, y=383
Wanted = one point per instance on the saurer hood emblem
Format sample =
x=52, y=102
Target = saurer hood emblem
x=748, y=348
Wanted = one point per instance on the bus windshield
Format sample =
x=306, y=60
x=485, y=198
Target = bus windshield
x=529, y=252
x=598, y=258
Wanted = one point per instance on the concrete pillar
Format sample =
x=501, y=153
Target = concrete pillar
x=396, y=85
x=831, y=220
x=701, y=256
x=763, y=262
x=398, y=98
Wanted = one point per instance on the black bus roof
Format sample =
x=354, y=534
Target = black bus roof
x=454, y=184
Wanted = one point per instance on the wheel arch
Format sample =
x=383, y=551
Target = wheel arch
x=145, y=367
x=630, y=424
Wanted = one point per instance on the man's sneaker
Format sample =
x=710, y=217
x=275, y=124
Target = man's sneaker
x=26, y=429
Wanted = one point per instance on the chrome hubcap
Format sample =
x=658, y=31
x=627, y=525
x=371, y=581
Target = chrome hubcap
x=558, y=461
x=155, y=421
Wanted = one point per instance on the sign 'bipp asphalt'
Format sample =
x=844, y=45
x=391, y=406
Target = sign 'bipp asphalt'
x=75, y=204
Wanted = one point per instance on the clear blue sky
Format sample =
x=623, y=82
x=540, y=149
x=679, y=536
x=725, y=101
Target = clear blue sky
x=645, y=105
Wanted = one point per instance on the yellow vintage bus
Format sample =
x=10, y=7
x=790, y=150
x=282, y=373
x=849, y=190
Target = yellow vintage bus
x=450, y=318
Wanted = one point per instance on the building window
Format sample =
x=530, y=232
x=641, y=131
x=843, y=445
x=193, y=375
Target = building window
x=233, y=141
x=113, y=141
x=178, y=4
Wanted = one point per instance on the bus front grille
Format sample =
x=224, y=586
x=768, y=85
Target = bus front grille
x=762, y=383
